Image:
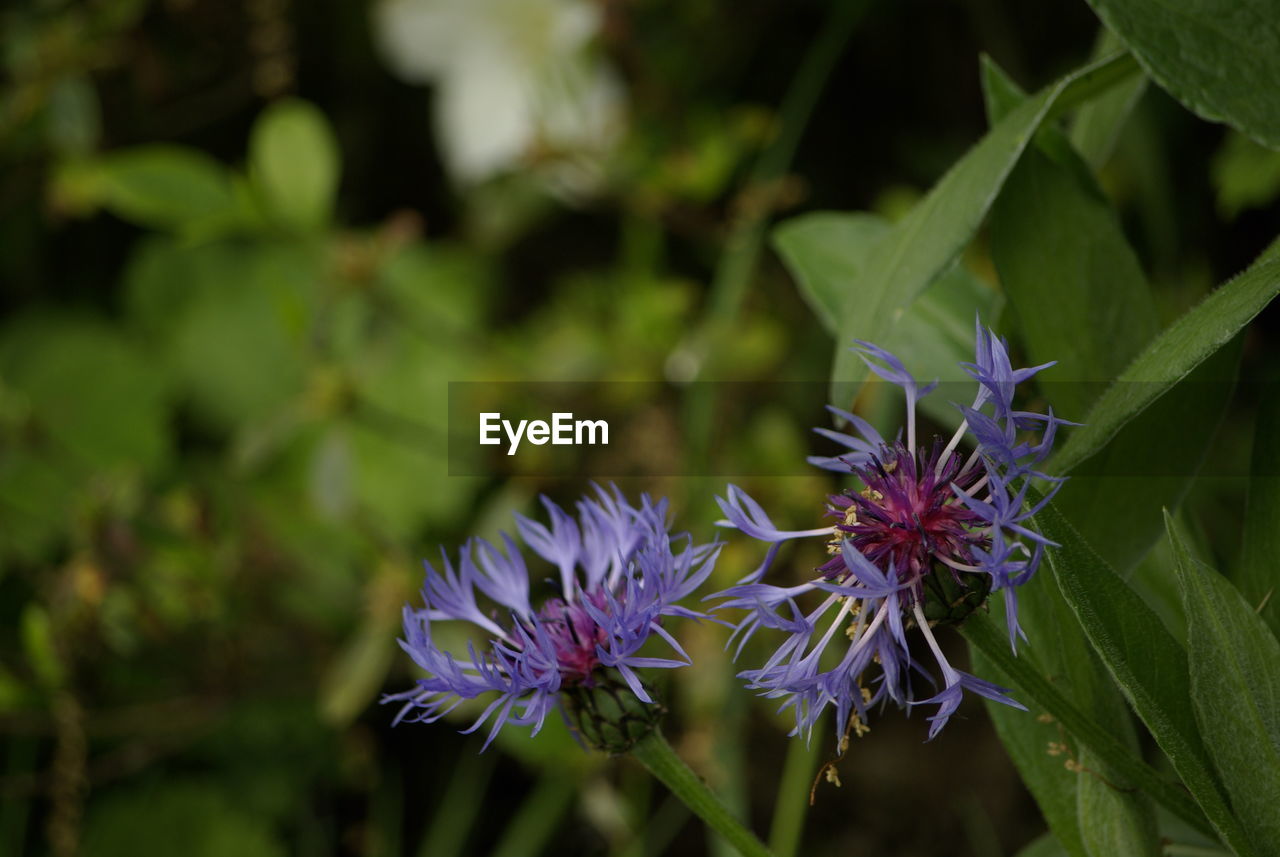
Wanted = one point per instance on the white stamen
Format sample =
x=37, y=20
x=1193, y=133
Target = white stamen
x=958, y=566
x=951, y=445
x=928, y=636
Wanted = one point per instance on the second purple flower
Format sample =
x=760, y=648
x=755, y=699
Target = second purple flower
x=929, y=532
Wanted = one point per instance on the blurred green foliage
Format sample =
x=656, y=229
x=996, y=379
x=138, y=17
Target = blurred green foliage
x=236, y=284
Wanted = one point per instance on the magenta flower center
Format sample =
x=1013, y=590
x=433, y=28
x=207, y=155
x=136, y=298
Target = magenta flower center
x=908, y=514
x=575, y=636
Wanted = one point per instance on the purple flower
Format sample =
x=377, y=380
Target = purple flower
x=620, y=574
x=928, y=534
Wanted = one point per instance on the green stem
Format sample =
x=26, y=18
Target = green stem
x=793, y=795
x=656, y=754
x=983, y=635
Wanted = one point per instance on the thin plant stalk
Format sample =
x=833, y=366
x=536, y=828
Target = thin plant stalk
x=656, y=754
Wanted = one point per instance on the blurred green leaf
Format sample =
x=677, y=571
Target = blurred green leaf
x=1220, y=58
x=89, y=389
x=354, y=678
x=331, y=474
x=142, y=822
x=236, y=322
x=1245, y=175
x=74, y=124
x=1045, y=846
x=1173, y=354
x=41, y=650
x=294, y=163
x=531, y=826
x=1144, y=659
x=1096, y=126
x=926, y=243
x=1234, y=662
x=1257, y=575
x=169, y=187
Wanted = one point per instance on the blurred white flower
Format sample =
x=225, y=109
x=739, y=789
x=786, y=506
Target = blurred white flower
x=516, y=81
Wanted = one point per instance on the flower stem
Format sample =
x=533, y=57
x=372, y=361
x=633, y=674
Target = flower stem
x=656, y=754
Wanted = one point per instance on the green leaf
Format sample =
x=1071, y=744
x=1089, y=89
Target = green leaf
x=1113, y=819
x=41, y=650
x=1245, y=175
x=927, y=242
x=100, y=399
x=1235, y=692
x=1076, y=286
x=357, y=673
x=1145, y=660
x=1081, y=299
x=1096, y=126
x=196, y=813
x=1115, y=500
x=1172, y=355
x=1032, y=685
x=1045, y=846
x=825, y=252
x=169, y=187
x=294, y=163
x=1220, y=58
x=234, y=321
x=1257, y=575
x=1042, y=748
x=1029, y=737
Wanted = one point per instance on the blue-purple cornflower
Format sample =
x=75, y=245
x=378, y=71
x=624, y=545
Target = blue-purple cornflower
x=929, y=533
x=620, y=575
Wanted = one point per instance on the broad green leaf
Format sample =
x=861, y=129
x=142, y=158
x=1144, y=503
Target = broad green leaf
x=1096, y=126
x=1044, y=751
x=294, y=163
x=1081, y=299
x=1172, y=355
x=1032, y=685
x=1114, y=819
x=1259, y=574
x=170, y=187
x=1220, y=58
x=1072, y=279
x=1234, y=664
x=1115, y=500
x=1145, y=660
x=929, y=239
x=826, y=250
x=1032, y=740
